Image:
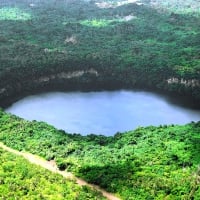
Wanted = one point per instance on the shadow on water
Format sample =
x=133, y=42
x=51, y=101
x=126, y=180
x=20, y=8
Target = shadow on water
x=178, y=99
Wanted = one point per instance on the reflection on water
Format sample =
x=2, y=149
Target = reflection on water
x=105, y=112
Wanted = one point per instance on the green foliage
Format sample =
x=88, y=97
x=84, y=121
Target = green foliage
x=129, y=45
x=152, y=162
x=7, y=13
x=153, y=45
x=187, y=6
x=96, y=23
x=21, y=180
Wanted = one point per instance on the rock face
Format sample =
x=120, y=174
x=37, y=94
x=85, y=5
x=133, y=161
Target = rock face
x=66, y=75
x=2, y=90
x=187, y=83
x=90, y=79
x=9, y=92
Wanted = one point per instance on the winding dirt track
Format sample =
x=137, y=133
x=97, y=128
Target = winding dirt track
x=51, y=166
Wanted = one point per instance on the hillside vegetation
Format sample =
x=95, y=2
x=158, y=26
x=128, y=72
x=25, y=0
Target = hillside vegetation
x=115, y=44
x=21, y=180
x=98, y=45
x=148, y=163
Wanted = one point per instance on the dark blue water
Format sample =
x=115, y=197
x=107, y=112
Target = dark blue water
x=102, y=112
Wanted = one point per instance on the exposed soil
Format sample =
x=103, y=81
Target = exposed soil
x=51, y=166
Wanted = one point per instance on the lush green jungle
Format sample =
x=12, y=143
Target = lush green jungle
x=147, y=163
x=97, y=45
x=21, y=180
x=71, y=44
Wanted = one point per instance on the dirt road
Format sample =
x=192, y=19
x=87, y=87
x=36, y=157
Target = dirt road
x=51, y=166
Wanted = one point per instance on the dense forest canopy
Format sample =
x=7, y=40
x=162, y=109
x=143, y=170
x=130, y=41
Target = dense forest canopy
x=147, y=163
x=21, y=180
x=97, y=45
x=117, y=44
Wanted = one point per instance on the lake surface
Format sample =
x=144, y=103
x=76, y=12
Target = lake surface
x=103, y=113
